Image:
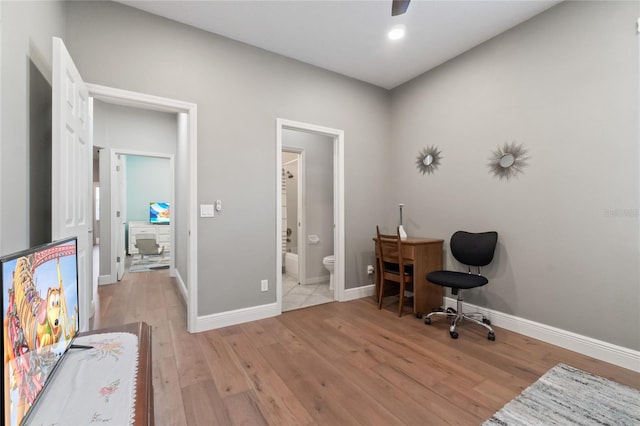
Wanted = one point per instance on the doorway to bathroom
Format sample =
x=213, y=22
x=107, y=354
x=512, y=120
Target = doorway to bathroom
x=307, y=187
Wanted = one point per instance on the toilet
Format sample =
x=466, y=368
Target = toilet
x=328, y=264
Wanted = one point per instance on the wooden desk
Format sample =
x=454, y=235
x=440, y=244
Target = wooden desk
x=425, y=254
x=144, y=386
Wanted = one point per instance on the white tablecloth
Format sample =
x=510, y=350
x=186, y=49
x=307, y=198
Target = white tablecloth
x=92, y=386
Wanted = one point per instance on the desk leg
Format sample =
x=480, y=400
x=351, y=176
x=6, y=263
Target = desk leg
x=427, y=296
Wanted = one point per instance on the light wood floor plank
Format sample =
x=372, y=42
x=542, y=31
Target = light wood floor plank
x=224, y=367
x=168, y=403
x=333, y=364
x=190, y=361
x=203, y=405
x=244, y=410
x=277, y=403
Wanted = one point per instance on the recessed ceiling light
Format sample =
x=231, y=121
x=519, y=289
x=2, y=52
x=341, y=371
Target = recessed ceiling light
x=397, y=32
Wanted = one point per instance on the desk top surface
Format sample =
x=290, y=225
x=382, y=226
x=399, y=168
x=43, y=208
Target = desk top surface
x=418, y=240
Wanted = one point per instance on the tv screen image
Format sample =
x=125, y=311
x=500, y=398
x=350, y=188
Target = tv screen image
x=40, y=320
x=159, y=213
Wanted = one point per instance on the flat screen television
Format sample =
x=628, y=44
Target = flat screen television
x=40, y=320
x=159, y=213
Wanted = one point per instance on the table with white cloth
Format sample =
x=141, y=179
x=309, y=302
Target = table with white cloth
x=109, y=382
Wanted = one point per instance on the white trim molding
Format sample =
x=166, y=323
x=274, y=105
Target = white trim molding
x=182, y=288
x=315, y=280
x=359, y=292
x=238, y=316
x=608, y=352
x=254, y=313
x=107, y=279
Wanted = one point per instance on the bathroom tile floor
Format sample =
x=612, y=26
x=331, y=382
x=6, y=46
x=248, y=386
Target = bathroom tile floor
x=296, y=296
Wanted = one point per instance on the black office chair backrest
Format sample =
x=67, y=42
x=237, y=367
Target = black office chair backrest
x=474, y=249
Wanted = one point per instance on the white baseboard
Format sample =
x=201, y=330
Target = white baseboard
x=614, y=354
x=238, y=316
x=359, y=292
x=106, y=279
x=181, y=286
x=254, y=313
x=317, y=280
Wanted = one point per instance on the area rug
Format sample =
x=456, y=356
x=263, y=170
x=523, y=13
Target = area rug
x=565, y=395
x=149, y=262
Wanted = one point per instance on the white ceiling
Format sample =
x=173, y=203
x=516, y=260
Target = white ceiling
x=349, y=37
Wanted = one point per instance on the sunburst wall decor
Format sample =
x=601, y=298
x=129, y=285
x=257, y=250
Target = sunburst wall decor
x=508, y=160
x=428, y=159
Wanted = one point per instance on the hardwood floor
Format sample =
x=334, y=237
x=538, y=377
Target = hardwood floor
x=333, y=364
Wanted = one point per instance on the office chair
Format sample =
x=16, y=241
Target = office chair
x=472, y=249
x=392, y=266
x=148, y=246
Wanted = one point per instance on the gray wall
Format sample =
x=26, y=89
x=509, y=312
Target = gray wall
x=565, y=84
x=240, y=91
x=25, y=74
x=318, y=196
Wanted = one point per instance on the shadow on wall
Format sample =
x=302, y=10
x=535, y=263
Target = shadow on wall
x=39, y=154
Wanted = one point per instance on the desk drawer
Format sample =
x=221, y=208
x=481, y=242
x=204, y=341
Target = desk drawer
x=164, y=230
x=148, y=232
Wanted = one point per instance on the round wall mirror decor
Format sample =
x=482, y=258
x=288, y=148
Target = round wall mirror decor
x=508, y=160
x=428, y=159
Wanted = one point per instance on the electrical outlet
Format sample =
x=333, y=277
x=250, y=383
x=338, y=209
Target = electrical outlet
x=370, y=269
x=264, y=285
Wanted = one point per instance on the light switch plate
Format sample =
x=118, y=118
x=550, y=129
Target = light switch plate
x=206, y=210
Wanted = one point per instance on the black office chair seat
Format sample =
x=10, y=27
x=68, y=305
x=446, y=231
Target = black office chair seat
x=471, y=249
x=456, y=280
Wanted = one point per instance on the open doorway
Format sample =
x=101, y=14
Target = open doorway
x=144, y=196
x=320, y=233
x=184, y=228
x=138, y=168
x=308, y=216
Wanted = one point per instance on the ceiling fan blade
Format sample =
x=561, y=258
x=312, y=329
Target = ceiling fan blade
x=398, y=7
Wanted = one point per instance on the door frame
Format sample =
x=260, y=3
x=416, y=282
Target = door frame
x=338, y=202
x=189, y=289
x=117, y=207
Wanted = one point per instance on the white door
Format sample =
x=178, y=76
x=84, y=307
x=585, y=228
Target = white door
x=120, y=218
x=71, y=168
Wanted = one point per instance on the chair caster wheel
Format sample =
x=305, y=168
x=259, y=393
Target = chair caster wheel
x=486, y=321
x=418, y=315
x=491, y=336
x=451, y=311
x=453, y=334
x=427, y=321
